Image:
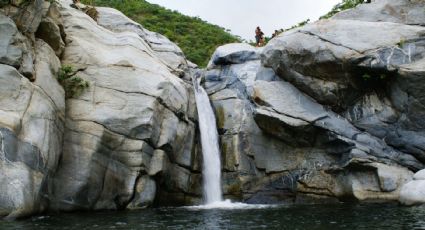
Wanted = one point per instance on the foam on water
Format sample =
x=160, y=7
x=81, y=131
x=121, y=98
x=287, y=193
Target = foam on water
x=229, y=205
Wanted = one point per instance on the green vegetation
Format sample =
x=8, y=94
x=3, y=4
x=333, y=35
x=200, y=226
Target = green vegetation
x=92, y=12
x=366, y=76
x=73, y=85
x=303, y=23
x=377, y=77
x=14, y=3
x=300, y=24
x=401, y=43
x=344, y=5
x=197, y=38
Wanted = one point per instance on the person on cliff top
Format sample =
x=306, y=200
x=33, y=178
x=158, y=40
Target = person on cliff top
x=275, y=33
x=259, y=39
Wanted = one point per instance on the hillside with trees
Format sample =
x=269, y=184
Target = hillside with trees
x=197, y=38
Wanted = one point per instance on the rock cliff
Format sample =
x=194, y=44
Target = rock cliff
x=135, y=110
x=117, y=144
x=330, y=111
x=32, y=110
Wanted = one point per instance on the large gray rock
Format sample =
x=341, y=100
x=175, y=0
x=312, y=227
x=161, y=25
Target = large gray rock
x=419, y=175
x=134, y=109
x=98, y=169
x=167, y=52
x=398, y=11
x=145, y=193
x=375, y=82
x=372, y=181
x=31, y=134
x=28, y=16
x=16, y=94
x=159, y=163
x=281, y=98
x=286, y=129
x=50, y=32
x=15, y=49
x=329, y=59
x=235, y=53
x=413, y=193
x=20, y=22
x=47, y=67
x=10, y=52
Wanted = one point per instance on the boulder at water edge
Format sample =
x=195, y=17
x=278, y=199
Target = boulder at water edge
x=413, y=193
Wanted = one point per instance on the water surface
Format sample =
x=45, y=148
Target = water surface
x=337, y=216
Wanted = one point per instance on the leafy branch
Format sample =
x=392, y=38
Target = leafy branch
x=72, y=84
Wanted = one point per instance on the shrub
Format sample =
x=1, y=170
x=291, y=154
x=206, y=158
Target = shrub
x=401, y=43
x=92, y=12
x=72, y=84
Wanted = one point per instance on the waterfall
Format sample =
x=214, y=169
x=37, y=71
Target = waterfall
x=211, y=171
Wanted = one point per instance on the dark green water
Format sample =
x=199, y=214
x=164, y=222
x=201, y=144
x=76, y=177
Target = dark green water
x=341, y=216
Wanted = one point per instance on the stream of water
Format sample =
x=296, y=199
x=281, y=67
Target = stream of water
x=211, y=171
x=291, y=217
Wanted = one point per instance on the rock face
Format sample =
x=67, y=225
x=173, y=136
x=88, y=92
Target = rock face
x=135, y=116
x=280, y=145
x=167, y=52
x=31, y=113
x=331, y=110
x=127, y=140
x=413, y=193
x=372, y=80
x=397, y=11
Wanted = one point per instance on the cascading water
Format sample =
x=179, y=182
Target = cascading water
x=211, y=171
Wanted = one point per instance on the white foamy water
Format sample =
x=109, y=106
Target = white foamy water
x=211, y=170
x=229, y=205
